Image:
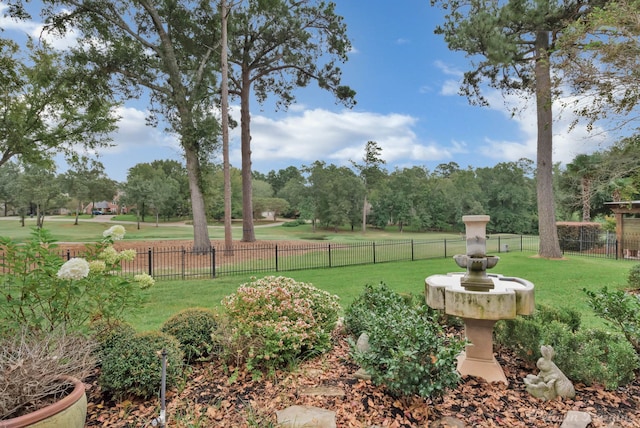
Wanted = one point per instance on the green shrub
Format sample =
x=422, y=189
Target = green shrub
x=274, y=321
x=578, y=236
x=193, y=328
x=409, y=351
x=368, y=306
x=294, y=223
x=41, y=290
x=524, y=335
x=588, y=356
x=107, y=333
x=621, y=309
x=603, y=358
x=634, y=277
x=133, y=365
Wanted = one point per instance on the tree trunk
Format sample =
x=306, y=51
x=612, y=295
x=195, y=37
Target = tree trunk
x=224, y=104
x=586, y=199
x=364, y=213
x=78, y=209
x=201, y=241
x=248, y=234
x=549, y=244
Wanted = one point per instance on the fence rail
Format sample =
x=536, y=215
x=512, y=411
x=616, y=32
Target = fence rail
x=184, y=263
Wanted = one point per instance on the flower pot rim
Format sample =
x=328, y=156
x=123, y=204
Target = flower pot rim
x=52, y=409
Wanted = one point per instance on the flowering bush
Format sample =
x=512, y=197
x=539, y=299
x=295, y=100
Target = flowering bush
x=40, y=290
x=275, y=320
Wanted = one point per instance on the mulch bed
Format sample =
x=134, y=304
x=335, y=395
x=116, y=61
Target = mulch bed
x=210, y=399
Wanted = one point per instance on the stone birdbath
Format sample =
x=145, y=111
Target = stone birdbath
x=480, y=299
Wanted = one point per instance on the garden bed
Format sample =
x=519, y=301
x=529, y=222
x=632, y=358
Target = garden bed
x=210, y=399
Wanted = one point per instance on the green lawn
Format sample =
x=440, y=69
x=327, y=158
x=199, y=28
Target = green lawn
x=88, y=230
x=557, y=283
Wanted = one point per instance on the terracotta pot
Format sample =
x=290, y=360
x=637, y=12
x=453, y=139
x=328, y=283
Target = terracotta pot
x=69, y=412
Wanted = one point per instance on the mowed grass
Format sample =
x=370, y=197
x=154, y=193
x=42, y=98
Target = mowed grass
x=90, y=229
x=558, y=283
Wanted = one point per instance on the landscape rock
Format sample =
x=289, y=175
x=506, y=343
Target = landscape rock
x=362, y=345
x=448, y=422
x=327, y=391
x=575, y=419
x=306, y=417
x=362, y=374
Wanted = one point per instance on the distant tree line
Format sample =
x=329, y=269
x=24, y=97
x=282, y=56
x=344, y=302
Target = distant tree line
x=332, y=197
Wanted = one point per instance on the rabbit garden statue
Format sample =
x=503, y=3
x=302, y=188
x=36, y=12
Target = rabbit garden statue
x=550, y=382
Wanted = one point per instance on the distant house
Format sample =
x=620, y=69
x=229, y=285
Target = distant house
x=102, y=207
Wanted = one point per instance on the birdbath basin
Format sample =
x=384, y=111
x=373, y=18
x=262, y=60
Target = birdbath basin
x=480, y=299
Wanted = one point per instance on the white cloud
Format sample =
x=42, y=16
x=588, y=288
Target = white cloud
x=134, y=132
x=35, y=30
x=450, y=87
x=335, y=137
x=448, y=69
x=568, y=141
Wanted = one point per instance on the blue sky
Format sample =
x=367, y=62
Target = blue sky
x=406, y=82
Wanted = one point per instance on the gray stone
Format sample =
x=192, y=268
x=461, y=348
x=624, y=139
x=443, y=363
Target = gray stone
x=362, y=345
x=306, y=417
x=329, y=391
x=362, y=374
x=575, y=419
x=448, y=422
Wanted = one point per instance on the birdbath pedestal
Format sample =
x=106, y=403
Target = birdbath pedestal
x=480, y=299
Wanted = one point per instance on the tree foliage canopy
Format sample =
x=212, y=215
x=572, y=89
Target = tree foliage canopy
x=49, y=106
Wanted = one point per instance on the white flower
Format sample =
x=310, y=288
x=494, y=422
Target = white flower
x=128, y=255
x=97, y=266
x=109, y=255
x=144, y=280
x=114, y=232
x=75, y=268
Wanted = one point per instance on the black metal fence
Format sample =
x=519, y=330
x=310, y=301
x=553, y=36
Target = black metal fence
x=183, y=263
x=604, y=245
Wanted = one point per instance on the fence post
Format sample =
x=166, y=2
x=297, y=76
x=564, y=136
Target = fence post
x=184, y=253
x=374, y=251
x=412, y=253
x=150, y=259
x=445, y=248
x=521, y=243
x=276, y=257
x=213, y=262
x=68, y=254
x=330, y=255
x=499, y=246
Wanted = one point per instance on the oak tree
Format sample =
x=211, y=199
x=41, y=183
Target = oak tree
x=166, y=49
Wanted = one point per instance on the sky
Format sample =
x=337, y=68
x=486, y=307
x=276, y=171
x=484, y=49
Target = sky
x=406, y=82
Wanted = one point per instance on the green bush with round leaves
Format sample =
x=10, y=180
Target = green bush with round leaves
x=133, y=364
x=193, y=328
x=409, y=350
x=634, y=277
